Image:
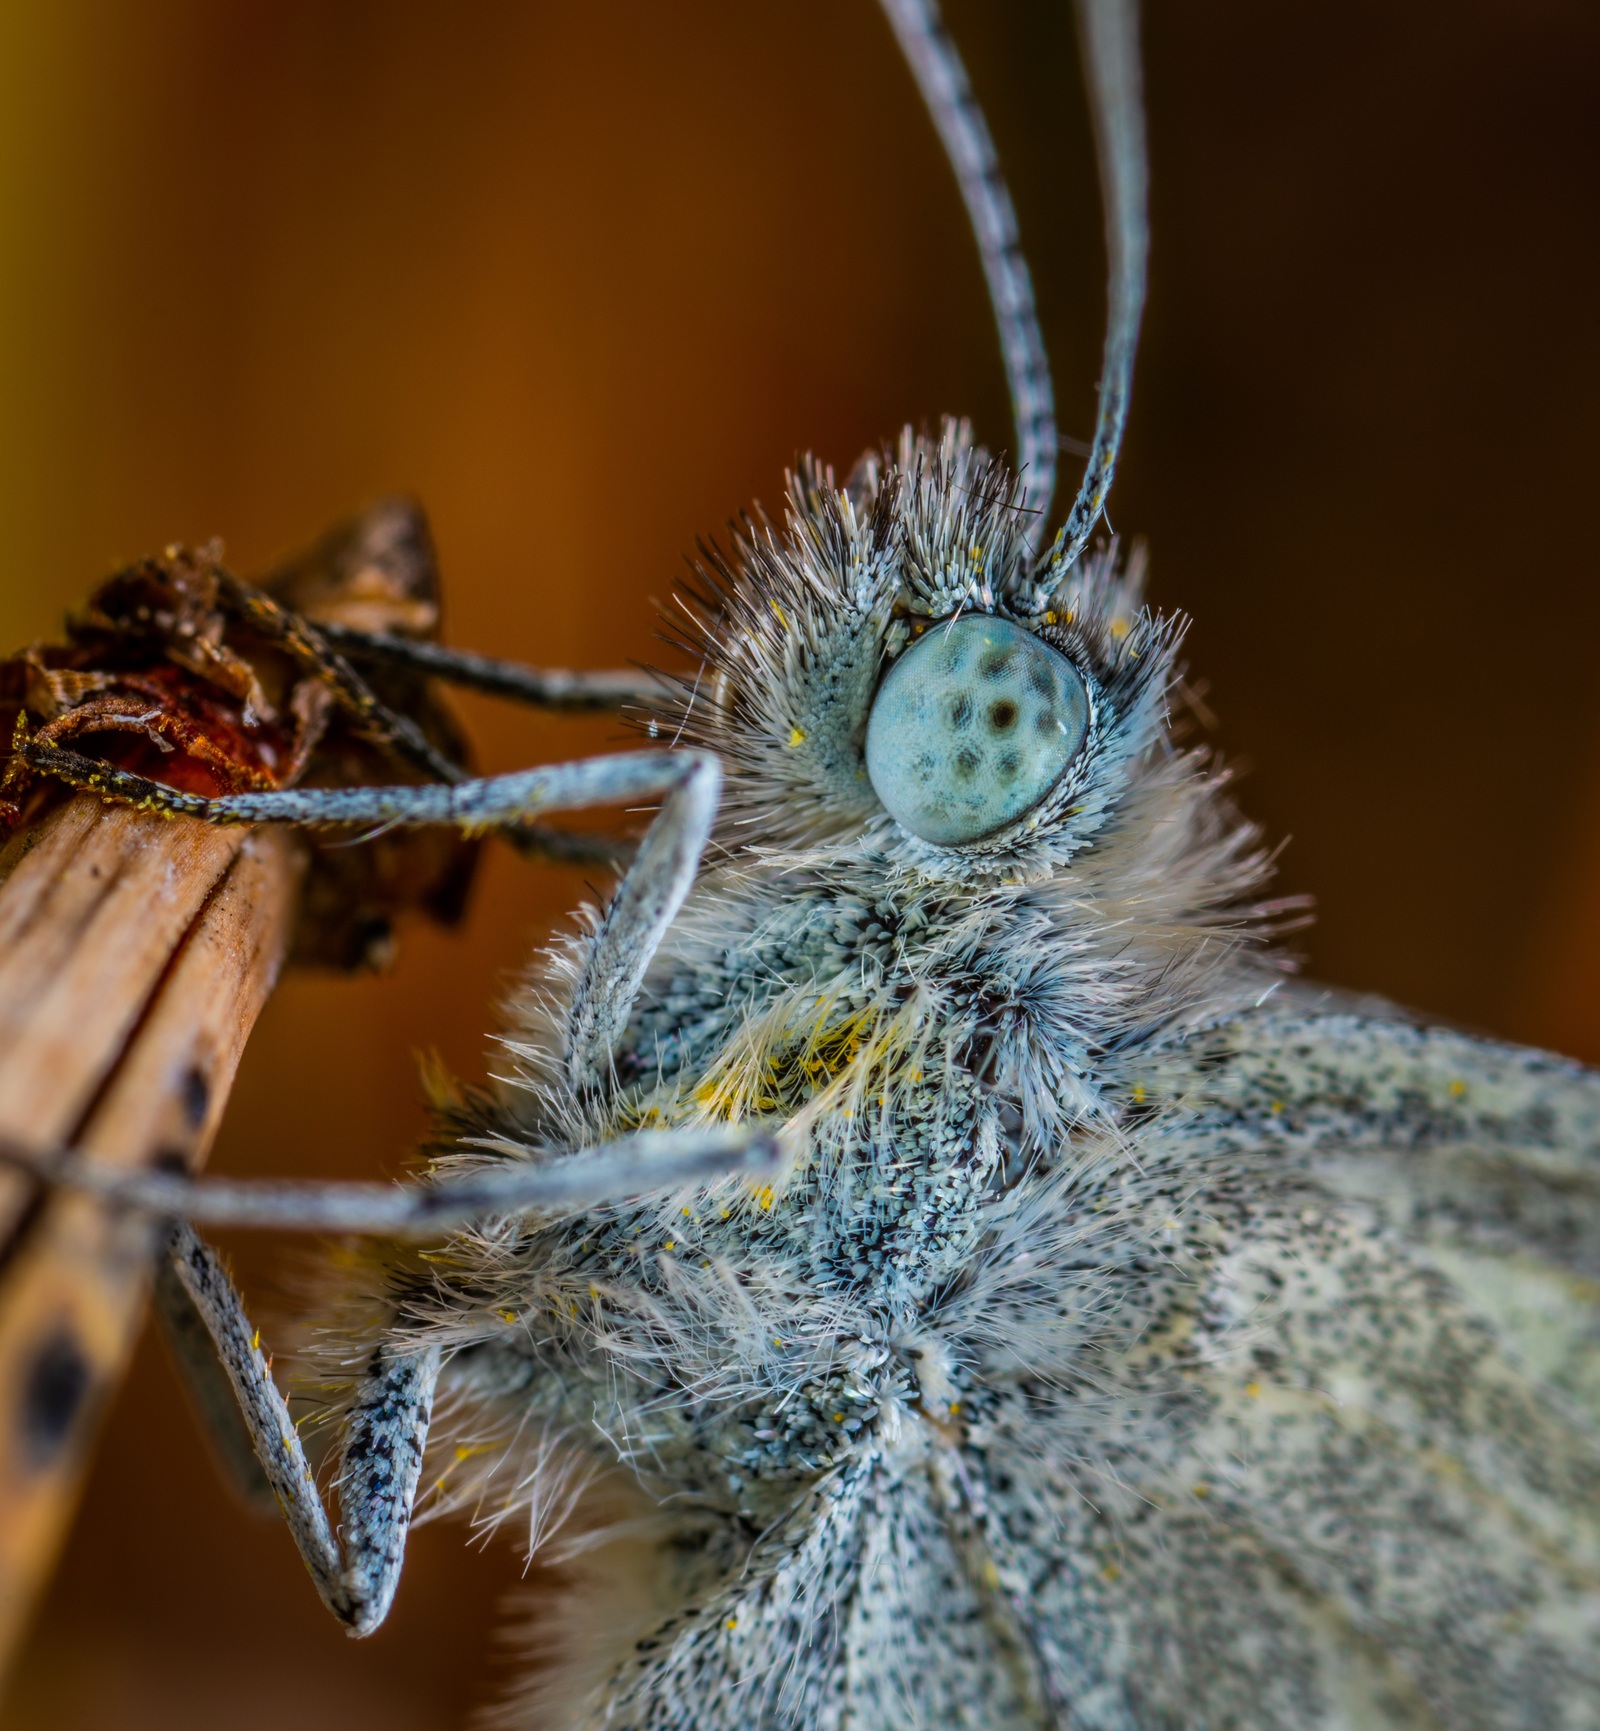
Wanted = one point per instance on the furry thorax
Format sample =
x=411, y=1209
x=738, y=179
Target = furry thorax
x=927, y=1022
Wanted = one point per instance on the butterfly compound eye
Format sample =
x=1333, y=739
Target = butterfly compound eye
x=972, y=727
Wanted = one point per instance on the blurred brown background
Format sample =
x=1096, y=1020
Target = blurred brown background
x=586, y=278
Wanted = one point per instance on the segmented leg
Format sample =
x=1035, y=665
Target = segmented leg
x=194, y=1357
x=386, y=1429
x=317, y=649
x=308, y=646
x=634, y=925
x=653, y=1160
x=542, y=687
x=650, y=894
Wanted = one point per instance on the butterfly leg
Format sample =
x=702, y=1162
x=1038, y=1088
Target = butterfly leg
x=540, y=687
x=193, y=1353
x=347, y=649
x=649, y=1162
x=650, y=894
x=355, y=1572
x=308, y=646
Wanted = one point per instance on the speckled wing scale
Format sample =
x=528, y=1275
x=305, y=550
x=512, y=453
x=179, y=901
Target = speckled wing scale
x=1130, y=1339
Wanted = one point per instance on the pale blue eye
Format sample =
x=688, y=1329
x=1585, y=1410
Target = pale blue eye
x=972, y=727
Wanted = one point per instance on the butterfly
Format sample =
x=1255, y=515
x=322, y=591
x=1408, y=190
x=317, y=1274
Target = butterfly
x=1001, y=1293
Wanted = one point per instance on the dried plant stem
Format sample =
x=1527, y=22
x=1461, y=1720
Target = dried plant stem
x=135, y=955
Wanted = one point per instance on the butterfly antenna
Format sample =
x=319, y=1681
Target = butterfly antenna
x=1109, y=33
x=947, y=91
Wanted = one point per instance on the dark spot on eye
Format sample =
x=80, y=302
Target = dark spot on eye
x=1008, y=766
x=1003, y=715
x=967, y=763
x=1041, y=682
x=1046, y=723
x=993, y=662
x=961, y=711
x=52, y=1395
x=923, y=765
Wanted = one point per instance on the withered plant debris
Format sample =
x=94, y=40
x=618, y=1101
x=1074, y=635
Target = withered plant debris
x=176, y=670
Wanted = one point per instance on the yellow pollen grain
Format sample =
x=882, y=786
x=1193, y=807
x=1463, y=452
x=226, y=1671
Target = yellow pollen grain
x=838, y=1418
x=255, y=1341
x=1120, y=629
x=594, y=1291
x=797, y=736
x=1277, y=1106
x=1049, y=618
x=508, y=1315
x=1457, y=1088
x=669, y=1245
x=731, y=1623
x=1138, y=1093
x=766, y=1196
x=1201, y=1488
x=1110, y=1572
x=1253, y=1389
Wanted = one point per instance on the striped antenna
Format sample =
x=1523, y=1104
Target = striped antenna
x=947, y=91
x=1109, y=32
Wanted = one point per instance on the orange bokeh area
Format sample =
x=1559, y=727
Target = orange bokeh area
x=585, y=280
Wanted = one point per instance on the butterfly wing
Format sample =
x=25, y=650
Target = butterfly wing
x=1322, y=1448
